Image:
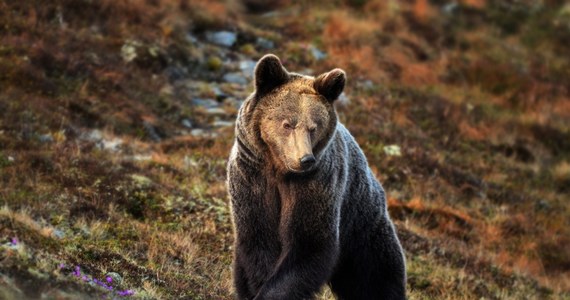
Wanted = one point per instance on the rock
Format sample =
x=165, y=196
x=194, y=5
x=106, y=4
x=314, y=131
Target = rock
x=235, y=77
x=197, y=132
x=206, y=103
x=190, y=161
x=392, y=150
x=450, y=8
x=317, y=54
x=129, y=50
x=222, y=38
x=58, y=233
x=191, y=38
x=113, y=278
x=112, y=145
x=152, y=131
x=96, y=136
x=187, y=123
x=265, y=43
x=542, y=205
x=46, y=138
x=247, y=67
x=343, y=99
x=216, y=111
x=367, y=85
x=166, y=90
x=93, y=136
x=175, y=73
x=142, y=157
x=221, y=123
x=220, y=95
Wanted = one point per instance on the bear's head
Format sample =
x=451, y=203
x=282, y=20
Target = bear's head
x=292, y=115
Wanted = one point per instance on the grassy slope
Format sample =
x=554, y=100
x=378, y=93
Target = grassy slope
x=475, y=96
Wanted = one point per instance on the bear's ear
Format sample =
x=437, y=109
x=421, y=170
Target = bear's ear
x=330, y=84
x=269, y=73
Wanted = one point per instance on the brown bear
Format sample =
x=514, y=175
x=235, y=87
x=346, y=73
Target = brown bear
x=307, y=210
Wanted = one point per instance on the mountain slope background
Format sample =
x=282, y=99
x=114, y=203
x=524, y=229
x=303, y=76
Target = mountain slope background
x=116, y=121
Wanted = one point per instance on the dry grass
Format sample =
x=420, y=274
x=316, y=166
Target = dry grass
x=479, y=193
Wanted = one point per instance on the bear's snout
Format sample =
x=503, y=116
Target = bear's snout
x=308, y=161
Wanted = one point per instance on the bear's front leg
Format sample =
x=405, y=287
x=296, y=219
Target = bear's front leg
x=309, y=233
x=241, y=281
x=301, y=272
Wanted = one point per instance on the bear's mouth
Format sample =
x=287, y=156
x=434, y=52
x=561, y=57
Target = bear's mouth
x=300, y=171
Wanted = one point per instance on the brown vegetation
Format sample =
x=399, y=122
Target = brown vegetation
x=110, y=160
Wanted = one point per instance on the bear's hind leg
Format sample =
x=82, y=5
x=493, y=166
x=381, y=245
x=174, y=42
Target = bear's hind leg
x=357, y=283
x=372, y=269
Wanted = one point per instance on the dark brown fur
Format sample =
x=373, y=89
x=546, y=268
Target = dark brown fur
x=303, y=223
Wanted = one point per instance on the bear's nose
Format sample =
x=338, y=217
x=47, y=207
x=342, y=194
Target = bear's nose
x=308, y=161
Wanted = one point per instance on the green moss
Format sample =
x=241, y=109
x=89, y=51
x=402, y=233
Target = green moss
x=214, y=63
x=247, y=49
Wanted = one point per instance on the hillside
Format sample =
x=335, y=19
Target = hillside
x=116, y=120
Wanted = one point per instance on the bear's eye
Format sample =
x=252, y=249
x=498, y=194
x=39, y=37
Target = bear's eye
x=312, y=129
x=287, y=126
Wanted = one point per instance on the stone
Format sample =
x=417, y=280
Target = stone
x=343, y=99
x=220, y=95
x=235, y=77
x=46, y=138
x=116, y=279
x=317, y=54
x=187, y=123
x=129, y=50
x=191, y=38
x=216, y=111
x=222, y=38
x=152, y=131
x=206, y=103
x=111, y=145
x=58, y=233
x=392, y=150
x=247, y=67
x=265, y=43
x=222, y=123
x=197, y=132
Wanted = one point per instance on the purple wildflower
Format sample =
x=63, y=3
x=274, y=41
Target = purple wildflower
x=103, y=285
x=106, y=283
x=77, y=271
x=126, y=293
x=14, y=241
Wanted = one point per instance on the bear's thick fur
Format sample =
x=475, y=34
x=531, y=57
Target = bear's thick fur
x=307, y=210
